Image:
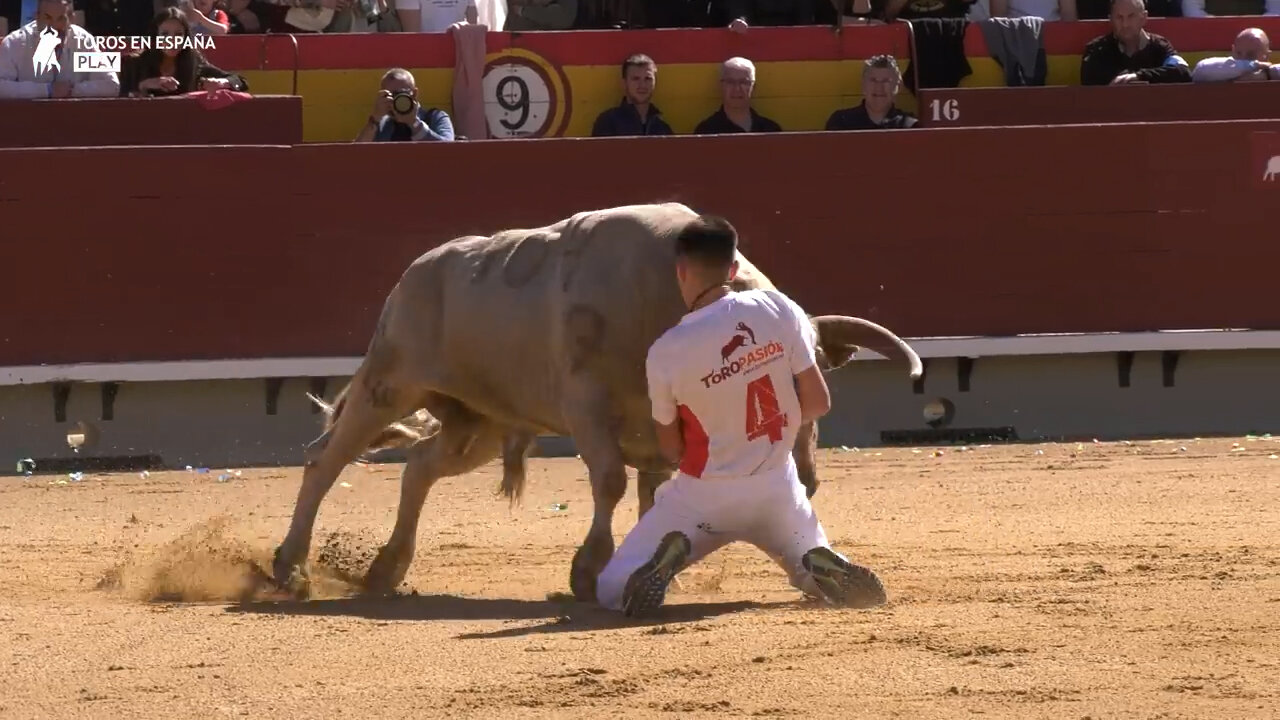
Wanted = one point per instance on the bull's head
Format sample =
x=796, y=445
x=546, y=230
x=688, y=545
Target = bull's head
x=839, y=337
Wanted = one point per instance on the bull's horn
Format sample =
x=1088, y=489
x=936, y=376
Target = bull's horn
x=842, y=330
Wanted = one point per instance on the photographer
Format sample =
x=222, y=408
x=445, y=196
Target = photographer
x=398, y=116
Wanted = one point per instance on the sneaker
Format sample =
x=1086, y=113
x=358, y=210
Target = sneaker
x=841, y=582
x=647, y=586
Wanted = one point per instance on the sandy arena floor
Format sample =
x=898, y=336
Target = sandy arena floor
x=1051, y=581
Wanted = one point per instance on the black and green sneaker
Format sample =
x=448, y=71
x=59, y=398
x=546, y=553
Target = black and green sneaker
x=841, y=582
x=647, y=586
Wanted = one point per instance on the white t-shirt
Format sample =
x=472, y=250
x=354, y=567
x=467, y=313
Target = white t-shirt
x=437, y=15
x=727, y=371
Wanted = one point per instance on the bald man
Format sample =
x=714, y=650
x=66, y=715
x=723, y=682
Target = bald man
x=1248, y=61
x=1129, y=54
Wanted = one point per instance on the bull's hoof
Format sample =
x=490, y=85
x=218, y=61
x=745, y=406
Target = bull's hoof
x=386, y=573
x=289, y=575
x=582, y=578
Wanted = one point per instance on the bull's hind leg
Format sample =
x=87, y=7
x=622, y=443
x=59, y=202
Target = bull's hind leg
x=465, y=441
x=363, y=415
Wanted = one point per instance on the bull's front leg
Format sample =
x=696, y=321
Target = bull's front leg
x=647, y=483
x=597, y=442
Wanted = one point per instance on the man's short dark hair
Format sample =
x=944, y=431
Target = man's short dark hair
x=638, y=60
x=710, y=241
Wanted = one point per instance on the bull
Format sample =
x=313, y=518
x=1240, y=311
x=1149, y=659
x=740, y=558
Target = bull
x=486, y=342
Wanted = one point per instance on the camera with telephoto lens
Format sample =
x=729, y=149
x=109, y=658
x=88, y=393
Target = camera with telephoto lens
x=402, y=102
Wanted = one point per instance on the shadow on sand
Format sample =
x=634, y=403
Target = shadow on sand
x=560, y=615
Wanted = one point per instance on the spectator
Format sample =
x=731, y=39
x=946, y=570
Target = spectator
x=1248, y=61
x=738, y=15
x=1229, y=8
x=890, y=10
x=116, y=17
x=1130, y=54
x=205, y=17
x=387, y=124
x=1049, y=10
x=1101, y=9
x=526, y=15
x=881, y=81
x=155, y=72
x=435, y=16
x=636, y=114
x=18, y=73
x=657, y=13
x=737, y=78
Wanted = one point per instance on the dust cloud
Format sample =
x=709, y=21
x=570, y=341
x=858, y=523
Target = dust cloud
x=213, y=561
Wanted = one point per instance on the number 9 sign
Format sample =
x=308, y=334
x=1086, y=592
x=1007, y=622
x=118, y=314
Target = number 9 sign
x=524, y=96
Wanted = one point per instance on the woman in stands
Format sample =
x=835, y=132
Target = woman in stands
x=173, y=72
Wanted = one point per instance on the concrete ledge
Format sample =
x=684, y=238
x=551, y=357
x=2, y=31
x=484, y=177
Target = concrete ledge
x=937, y=347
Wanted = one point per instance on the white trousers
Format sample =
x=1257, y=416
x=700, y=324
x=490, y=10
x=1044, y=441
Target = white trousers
x=770, y=512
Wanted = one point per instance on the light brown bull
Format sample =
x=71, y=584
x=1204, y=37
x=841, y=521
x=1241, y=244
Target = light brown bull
x=486, y=342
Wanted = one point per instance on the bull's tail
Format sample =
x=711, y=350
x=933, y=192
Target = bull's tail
x=516, y=445
x=403, y=433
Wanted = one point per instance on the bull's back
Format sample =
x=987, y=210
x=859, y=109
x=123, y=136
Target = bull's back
x=506, y=320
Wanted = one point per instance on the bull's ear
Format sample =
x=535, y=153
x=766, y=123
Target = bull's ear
x=831, y=354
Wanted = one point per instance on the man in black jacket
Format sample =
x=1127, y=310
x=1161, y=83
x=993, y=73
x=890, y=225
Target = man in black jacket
x=1129, y=54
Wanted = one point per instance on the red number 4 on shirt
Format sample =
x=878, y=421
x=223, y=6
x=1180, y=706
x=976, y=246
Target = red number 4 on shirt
x=764, y=419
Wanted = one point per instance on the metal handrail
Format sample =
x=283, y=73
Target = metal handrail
x=262, y=55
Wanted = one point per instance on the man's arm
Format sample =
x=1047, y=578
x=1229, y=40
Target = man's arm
x=1222, y=69
x=815, y=397
x=438, y=126
x=368, y=132
x=1173, y=70
x=11, y=88
x=103, y=85
x=410, y=14
x=811, y=387
x=666, y=419
x=1094, y=66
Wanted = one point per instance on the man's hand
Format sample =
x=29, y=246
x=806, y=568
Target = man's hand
x=214, y=83
x=1128, y=79
x=61, y=89
x=163, y=83
x=1263, y=72
x=382, y=104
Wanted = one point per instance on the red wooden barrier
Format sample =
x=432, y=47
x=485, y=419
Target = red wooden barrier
x=264, y=119
x=944, y=232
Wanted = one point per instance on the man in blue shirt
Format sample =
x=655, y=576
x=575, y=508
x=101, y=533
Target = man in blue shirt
x=636, y=114
x=418, y=123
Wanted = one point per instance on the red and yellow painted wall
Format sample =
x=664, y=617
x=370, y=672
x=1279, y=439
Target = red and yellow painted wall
x=555, y=83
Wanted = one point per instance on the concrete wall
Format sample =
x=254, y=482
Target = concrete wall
x=220, y=424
